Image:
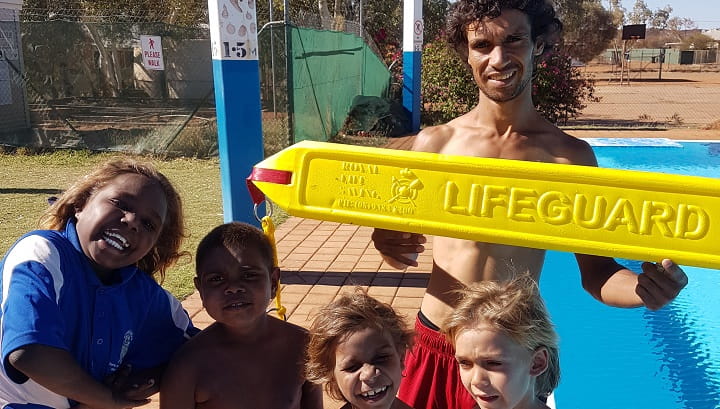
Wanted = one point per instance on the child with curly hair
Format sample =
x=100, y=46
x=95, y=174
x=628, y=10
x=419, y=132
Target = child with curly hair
x=79, y=299
x=356, y=349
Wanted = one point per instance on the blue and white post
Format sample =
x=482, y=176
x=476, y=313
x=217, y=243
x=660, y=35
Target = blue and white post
x=233, y=36
x=412, y=52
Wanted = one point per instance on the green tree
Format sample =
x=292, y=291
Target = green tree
x=681, y=24
x=447, y=86
x=618, y=12
x=640, y=13
x=181, y=12
x=660, y=17
x=588, y=27
x=560, y=91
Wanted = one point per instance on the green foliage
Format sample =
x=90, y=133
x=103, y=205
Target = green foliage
x=448, y=89
x=640, y=13
x=434, y=16
x=580, y=18
x=180, y=12
x=447, y=86
x=559, y=89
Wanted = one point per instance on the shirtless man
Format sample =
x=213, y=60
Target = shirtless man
x=500, y=39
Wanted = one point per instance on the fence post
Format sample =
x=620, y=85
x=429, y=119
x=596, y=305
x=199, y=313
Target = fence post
x=412, y=52
x=289, y=74
x=236, y=73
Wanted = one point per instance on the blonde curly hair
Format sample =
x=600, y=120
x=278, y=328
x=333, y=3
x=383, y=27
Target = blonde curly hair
x=516, y=309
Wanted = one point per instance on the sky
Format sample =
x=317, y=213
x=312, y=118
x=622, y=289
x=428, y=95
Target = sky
x=705, y=13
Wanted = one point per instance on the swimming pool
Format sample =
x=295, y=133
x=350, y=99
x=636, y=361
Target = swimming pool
x=636, y=358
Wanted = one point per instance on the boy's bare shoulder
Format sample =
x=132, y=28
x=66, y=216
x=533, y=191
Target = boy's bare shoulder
x=199, y=342
x=194, y=353
x=287, y=329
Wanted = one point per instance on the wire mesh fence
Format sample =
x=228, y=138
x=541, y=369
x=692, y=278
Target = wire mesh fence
x=85, y=87
x=649, y=91
x=81, y=82
x=73, y=79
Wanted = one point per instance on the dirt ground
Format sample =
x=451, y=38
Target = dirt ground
x=681, y=99
x=680, y=105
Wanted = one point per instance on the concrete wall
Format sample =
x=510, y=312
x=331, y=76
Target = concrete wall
x=187, y=74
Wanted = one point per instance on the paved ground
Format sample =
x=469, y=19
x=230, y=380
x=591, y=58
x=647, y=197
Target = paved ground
x=320, y=260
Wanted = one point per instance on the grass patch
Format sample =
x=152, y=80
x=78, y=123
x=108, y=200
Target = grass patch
x=30, y=177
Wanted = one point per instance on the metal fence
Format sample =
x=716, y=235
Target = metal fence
x=681, y=90
x=74, y=81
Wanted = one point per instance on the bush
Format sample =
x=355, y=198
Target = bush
x=448, y=88
x=559, y=89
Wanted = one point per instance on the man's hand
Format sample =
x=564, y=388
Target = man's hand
x=660, y=283
x=398, y=249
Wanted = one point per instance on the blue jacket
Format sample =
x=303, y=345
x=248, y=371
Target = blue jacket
x=50, y=295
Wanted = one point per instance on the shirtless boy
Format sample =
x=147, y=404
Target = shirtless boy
x=499, y=39
x=246, y=359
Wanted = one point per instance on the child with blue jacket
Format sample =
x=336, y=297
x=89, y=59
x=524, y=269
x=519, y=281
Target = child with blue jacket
x=79, y=303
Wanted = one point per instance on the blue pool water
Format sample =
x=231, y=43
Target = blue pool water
x=636, y=358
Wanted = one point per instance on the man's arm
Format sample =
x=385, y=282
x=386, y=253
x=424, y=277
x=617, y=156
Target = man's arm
x=57, y=370
x=615, y=285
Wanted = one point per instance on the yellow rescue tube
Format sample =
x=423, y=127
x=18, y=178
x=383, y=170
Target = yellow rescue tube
x=618, y=213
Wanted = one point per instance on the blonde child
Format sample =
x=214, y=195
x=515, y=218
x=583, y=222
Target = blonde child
x=505, y=345
x=246, y=358
x=80, y=303
x=357, y=345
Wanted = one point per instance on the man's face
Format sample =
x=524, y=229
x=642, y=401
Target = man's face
x=500, y=54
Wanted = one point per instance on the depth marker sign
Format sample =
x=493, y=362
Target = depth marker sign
x=152, y=53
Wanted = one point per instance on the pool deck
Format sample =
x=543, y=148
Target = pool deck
x=321, y=259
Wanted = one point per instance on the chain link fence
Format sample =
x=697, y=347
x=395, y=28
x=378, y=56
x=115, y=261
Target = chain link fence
x=72, y=80
x=654, y=88
x=85, y=87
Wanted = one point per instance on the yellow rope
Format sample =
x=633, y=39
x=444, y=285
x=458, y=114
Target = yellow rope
x=269, y=228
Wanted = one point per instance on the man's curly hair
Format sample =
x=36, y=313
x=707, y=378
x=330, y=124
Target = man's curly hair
x=467, y=12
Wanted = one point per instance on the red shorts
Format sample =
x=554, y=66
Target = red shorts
x=431, y=379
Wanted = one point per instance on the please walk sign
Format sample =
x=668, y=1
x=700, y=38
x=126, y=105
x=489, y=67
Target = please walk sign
x=152, y=52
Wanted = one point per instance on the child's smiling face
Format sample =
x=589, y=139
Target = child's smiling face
x=368, y=369
x=121, y=222
x=235, y=285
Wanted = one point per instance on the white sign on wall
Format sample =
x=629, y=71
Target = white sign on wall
x=152, y=53
x=233, y=29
